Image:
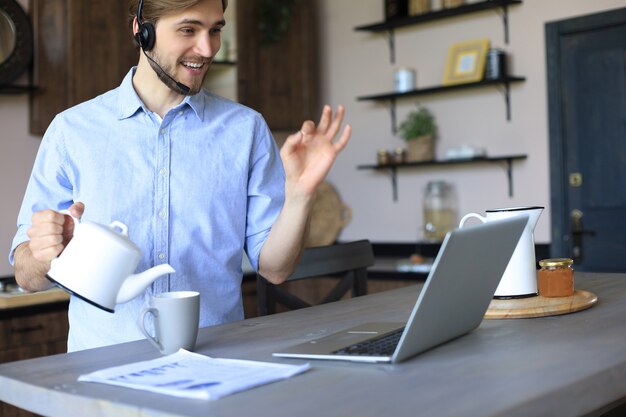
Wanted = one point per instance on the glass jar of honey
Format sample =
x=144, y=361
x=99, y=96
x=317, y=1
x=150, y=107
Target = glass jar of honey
x=556, y=277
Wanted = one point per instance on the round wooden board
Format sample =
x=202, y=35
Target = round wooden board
x=540, y=306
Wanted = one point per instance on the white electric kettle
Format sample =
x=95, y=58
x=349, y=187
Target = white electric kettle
x=98, y=263
x=520, y=277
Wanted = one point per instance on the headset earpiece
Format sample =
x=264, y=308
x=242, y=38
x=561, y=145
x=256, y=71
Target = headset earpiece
x=145, y=36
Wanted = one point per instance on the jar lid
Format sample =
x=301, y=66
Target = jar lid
x=437, y=185
x=556, y=262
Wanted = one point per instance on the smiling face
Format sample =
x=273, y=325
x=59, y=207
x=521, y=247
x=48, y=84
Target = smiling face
x=186, y=42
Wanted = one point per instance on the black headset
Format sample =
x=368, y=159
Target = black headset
x=146, y=35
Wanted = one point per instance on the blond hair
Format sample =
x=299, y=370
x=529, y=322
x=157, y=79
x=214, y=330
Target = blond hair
x=153, y=10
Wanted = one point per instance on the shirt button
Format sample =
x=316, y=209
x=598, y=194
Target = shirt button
x=161, y=256
x=180, y=113
x=163, y=171
x=163, y=131
x=162, y=214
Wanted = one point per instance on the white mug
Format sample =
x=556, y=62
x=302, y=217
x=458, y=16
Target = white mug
x=176, y=318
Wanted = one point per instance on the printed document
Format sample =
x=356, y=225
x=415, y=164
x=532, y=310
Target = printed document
x=191, y=375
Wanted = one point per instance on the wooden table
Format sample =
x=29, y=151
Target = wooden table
x=569, y=365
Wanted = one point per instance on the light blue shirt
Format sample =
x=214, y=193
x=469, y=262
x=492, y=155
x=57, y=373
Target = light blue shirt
x=195, y=189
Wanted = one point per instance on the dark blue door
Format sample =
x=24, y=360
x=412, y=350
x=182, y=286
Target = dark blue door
x=587, y=89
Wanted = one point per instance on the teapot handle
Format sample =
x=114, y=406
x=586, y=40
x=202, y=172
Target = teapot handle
x=76, y=219
x=123, y=229
x=469, y=216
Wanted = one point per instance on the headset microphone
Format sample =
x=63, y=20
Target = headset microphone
x=183, y=88
x=146, y=36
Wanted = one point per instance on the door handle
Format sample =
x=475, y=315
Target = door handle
x=578, y=231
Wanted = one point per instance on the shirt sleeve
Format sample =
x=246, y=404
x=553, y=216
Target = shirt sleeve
x=49, y=186
x=266, y=191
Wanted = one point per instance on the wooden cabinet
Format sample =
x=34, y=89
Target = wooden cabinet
x=82, y=49
x=31, y=332
x=280, y=80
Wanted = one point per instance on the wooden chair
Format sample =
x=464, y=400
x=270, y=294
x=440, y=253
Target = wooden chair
x=348, y=261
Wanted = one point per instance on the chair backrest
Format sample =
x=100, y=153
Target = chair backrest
x=348, y=261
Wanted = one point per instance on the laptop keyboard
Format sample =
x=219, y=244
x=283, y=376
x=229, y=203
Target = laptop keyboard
x=379, y=346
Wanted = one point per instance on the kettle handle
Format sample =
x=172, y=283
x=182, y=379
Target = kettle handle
x=469, y=216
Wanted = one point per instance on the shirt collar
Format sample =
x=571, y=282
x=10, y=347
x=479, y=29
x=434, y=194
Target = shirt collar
x=197, y=103
x=128, y=102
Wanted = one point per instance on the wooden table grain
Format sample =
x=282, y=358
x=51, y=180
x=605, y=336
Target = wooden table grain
x=567, y=365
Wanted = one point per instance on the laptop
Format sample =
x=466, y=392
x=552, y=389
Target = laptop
x=452, y=302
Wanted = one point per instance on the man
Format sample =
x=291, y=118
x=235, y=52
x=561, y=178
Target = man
x=198, y=179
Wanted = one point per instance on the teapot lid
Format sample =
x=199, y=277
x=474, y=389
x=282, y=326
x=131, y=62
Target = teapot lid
x=116, y=233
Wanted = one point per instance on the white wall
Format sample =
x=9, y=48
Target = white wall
x=17, y=153
x=357, y=63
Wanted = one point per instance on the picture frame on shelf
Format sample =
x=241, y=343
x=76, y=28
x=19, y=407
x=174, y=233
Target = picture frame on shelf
x=466, y=62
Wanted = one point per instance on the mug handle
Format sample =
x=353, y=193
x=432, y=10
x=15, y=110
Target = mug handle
x=142, y=326
x=469, y=216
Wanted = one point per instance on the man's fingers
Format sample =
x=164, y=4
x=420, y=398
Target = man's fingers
x=44, y=229
x=325, y=119
x=48, y=216
x=308, y=130
x=337, y=121
x=45, y=248
x=343, y=140
x=77, y=209
x=50, y=231
x=47, y=254
x=291, y=143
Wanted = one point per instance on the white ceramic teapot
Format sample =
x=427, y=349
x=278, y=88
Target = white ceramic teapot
x=520, y=277
x=98, y=263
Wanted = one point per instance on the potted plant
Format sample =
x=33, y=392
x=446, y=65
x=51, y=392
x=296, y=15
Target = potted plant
x=419, y=130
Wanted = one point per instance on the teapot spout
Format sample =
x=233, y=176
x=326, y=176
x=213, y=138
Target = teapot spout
x=135, y=284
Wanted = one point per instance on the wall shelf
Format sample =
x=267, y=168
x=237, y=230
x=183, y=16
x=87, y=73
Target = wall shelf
x=16, y=89
x=392, y=96
x=393, y=168
x=390, y=25
x=223, y=63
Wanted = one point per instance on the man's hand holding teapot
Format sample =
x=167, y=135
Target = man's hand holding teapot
x=51, y=231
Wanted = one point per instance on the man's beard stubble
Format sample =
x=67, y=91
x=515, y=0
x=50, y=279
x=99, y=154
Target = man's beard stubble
x=164, y=74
